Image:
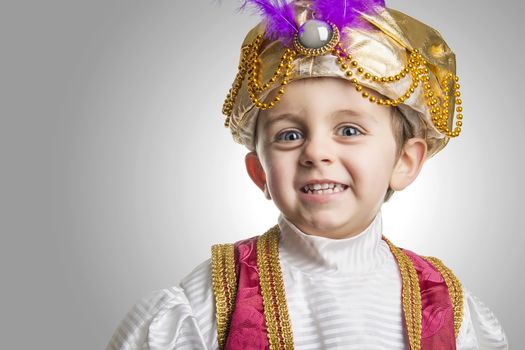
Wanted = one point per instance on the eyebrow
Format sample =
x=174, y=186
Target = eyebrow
x=296, y=118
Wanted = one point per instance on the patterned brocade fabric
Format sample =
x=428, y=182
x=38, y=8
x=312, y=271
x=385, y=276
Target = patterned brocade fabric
x=340, y=295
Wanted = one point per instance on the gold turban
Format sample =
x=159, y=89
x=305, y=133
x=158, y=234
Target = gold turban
x=383, y=50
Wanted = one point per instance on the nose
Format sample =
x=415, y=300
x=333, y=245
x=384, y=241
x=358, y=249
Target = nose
x=316, y=151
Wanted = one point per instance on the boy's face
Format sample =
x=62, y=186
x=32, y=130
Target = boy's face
x=323, y=131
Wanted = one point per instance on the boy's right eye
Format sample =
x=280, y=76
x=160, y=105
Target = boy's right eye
x=289, y=135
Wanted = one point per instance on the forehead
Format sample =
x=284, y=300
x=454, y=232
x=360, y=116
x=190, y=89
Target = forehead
x=320, y=98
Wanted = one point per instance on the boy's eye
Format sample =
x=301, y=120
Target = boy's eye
x=348, y=130
x=289, y=135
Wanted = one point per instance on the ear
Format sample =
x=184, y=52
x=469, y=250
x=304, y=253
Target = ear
x=255, y=169
x=409, y=164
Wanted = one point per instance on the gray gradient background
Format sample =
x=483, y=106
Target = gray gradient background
x=118, y=176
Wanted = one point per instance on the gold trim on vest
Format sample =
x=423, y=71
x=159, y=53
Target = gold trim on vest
x=224, y=284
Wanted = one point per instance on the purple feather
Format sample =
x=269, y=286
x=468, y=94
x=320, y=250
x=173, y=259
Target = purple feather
x=344, y=13
x=280, y=18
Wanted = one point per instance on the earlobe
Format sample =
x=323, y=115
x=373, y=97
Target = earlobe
x=255, y=170
x=409, y=164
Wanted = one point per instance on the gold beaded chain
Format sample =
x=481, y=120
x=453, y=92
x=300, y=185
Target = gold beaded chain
x=250, y=65
x=416, y=68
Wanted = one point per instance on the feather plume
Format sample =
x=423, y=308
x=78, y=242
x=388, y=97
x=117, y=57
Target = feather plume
x=279, y=17
x=344, y=13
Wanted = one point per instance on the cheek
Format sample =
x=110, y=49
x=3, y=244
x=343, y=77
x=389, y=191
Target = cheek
x=281, y=171
x=371, y=167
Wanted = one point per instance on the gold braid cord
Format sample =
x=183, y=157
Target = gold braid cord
x=224, y=287
x=455, y=290
x=410, y=295
x=272, y=288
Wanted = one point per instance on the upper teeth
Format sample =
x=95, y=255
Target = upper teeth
x=315, y=187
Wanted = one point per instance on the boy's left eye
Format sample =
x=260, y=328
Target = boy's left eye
x=348, y=130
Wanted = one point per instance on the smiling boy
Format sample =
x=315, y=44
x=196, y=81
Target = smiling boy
x=328, y=157
x=339, y=103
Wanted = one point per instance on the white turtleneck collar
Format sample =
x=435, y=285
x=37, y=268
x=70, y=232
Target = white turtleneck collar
x=359, y=254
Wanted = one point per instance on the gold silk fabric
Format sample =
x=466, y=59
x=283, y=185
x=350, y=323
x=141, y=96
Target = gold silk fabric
x=381, y=49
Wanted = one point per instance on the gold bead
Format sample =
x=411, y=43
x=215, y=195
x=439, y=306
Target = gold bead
x=354, y=63
x=459, y=109
x=457, y=94
x=349, y=73
x=344, y=66
x=360, y=70
x=281, y=91
x=368, y=75
x=353, y=80
x=277, y=98
x=359, y=88
x=372, y=99
x=459, y=117
x=365, y=94
x=459, y=123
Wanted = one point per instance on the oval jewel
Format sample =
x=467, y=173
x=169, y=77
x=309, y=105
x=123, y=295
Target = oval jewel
x=315, y=34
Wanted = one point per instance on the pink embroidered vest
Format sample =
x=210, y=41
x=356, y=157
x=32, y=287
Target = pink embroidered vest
x=251, y=307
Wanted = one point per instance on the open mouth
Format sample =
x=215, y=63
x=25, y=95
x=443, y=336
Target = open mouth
x=323, y=188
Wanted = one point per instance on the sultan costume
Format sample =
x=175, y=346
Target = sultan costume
x=286, y=289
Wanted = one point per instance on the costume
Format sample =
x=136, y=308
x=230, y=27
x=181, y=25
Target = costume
x=290, y=290
x=341, y=294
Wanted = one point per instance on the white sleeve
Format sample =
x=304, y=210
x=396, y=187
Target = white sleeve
x=161, y=321
x=480, y=329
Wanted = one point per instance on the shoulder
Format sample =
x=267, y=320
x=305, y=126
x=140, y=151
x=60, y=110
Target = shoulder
x=480, y=328
x=165, y=317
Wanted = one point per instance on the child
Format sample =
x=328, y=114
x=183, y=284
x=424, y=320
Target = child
x=340, y=103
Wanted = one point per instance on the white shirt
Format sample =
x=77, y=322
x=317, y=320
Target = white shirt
x=341, y=294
